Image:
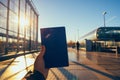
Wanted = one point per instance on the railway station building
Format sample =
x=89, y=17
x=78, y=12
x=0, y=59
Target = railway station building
x=102, y=39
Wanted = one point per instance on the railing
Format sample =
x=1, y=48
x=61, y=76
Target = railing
x=113, y=49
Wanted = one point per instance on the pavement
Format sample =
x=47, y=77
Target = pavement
x=88, y=66
x=11, y=55
x=82, y=66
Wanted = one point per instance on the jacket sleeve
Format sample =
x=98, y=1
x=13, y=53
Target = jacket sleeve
x=36, y=75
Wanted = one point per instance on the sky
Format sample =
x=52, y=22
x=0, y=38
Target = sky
x=78, y=16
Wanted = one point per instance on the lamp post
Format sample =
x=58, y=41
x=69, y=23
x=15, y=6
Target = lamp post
x=104, y=22
x=78, y=34
x=104, y=18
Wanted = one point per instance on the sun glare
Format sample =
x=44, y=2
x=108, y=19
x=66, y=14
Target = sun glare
x=23, y=21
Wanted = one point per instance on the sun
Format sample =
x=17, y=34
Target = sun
x=24, y=21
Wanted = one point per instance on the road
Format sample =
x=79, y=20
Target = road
x=82, y=66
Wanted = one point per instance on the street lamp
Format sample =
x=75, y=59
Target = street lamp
x=104, y=22
x=104, y=18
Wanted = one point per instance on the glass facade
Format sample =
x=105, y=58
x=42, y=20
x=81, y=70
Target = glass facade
x=109, y=33
x=18, y=26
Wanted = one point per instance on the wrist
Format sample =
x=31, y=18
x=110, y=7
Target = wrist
x=42, y=72
x=39, y=75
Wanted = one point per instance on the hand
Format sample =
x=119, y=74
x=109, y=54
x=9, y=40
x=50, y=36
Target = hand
x=39, y=64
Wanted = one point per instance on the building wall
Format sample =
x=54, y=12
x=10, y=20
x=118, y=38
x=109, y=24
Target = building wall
x=18, y=26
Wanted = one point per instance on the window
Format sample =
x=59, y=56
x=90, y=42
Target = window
x=4, y=2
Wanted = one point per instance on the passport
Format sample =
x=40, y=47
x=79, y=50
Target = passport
x=54, y=39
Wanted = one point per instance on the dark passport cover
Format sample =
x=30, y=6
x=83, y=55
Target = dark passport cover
x=54, y=39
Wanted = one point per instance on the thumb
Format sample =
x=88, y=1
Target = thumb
x=42, y=52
